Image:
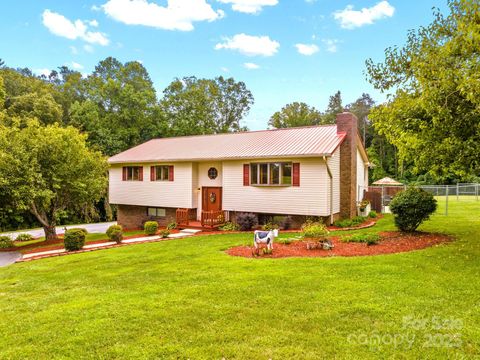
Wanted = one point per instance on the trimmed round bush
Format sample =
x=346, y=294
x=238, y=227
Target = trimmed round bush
x=412, y=207
x=150, y=227
x=24, y=237
x=115, y=233
x=164, y=233
x=74, y=239
x=82, y=230
x=6, y=242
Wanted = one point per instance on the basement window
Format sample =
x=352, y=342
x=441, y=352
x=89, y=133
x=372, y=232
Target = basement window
x=156, y=212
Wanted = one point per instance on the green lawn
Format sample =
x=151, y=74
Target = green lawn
x=188, y=299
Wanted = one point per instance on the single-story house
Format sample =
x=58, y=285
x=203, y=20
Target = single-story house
x=306, y=171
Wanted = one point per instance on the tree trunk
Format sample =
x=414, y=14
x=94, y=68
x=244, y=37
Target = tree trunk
x=50, y=233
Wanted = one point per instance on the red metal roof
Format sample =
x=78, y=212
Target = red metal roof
x=305, y=141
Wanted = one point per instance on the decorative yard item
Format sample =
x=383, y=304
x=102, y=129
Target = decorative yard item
x=264, y=237
x=324, y=244
x=115, y=233
x=74, y=239
x=317, y=232
x=411, y=207
x=364, y=208
x=150, y=227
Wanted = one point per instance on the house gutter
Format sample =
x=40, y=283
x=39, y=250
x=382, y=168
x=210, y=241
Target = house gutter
x=331, y=189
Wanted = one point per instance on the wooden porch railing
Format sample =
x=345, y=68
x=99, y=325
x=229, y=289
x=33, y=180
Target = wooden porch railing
x=214, y=218
x=184, y=216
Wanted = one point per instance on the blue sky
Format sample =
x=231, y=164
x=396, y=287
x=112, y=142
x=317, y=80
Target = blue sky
x=284, y=50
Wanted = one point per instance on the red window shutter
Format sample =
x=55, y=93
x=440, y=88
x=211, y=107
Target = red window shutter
x=124, y=173
x=152, y=173
x=246, y=174
x=296, y=174
x=170, y=173
x=140, y=174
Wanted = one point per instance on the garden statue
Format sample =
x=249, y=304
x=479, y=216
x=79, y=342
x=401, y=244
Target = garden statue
x=265, y=237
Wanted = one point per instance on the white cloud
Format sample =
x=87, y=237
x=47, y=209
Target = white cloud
x=61, y=26
x=43, y=71
x=74, y=50
x=225, y=69
x=177, y=15
x=93, y=23
x=249, y=6
x=96, y=8
x=350, y=19
x=251, y=66
x=88, y=48
x=331, y=45
x=307, y=49
x=250, y=45
x=76, y=65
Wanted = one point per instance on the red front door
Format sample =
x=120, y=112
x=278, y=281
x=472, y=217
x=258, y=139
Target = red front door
x=211, y=198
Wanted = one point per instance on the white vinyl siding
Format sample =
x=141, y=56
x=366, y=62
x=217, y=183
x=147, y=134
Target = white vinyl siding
x=177, y=193
x=310, y=198
x=334, y=164
x=362, y=176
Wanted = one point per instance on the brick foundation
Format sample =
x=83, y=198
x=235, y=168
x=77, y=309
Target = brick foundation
x=133, y=217
x=347, y=123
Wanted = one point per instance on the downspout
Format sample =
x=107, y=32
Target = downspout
x=331, y=189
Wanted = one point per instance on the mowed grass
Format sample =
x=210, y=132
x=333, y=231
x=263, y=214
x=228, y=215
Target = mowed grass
x=187, y=299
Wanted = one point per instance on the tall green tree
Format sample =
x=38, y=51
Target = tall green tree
x=295, y=114
x=433, y=118
x=48, y=169
x=335, y=106
x=205, y=106
x=119, y=106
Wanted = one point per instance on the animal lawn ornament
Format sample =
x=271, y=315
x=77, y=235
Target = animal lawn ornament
x=264, y=237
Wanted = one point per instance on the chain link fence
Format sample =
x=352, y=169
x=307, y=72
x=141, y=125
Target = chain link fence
x=380, y=196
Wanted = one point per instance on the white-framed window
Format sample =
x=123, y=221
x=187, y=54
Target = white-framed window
x=156, y=212
x=271, y=174
x=132, y=173
x=161, y=172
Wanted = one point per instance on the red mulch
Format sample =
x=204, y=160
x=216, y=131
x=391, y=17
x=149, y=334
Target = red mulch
x=391, y=242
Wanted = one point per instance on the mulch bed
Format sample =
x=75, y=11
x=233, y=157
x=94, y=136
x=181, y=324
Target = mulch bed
x=391, y=242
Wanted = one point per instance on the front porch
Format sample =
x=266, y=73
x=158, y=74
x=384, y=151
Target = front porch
x=209, y=219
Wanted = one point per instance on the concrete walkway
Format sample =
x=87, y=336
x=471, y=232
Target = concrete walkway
x=36, y=233
x=48, y=253
x=9, y=257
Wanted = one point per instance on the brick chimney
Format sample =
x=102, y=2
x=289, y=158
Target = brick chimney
x=347, y=123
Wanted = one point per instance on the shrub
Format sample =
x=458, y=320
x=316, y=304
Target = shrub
x=6, y=242
x=344, y=223
x=150, y=227
x=115, y=233
x=411, y=207
x=247, y=221
x=82, y=230
x=172, y=225
x=229, y=226
x=314, y=230
x=74, y=239
x=370, y=239
x=269, y=226
x=164, y=233
x=372, y=214
x=24, y=237
x=286, y=223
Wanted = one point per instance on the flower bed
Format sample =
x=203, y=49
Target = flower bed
x=390, y=243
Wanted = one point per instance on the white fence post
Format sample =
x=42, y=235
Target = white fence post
x=457, y=190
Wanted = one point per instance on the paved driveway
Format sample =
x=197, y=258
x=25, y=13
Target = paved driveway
x=9, y=257
x=91, y=228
